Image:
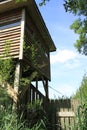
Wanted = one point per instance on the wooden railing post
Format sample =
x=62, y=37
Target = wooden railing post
x=36, y=87
x=47, y=91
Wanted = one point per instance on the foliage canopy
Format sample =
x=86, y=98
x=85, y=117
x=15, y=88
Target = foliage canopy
x=82, y=91
x=79, y=8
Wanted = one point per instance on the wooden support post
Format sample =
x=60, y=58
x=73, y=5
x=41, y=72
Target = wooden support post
x=37, y=83
x=36, y=87
x=22, y=34
x=16, y=81
x=49, y=65
x=45, y=84
x=17, y=77
x=18, y=65
x=47, y=91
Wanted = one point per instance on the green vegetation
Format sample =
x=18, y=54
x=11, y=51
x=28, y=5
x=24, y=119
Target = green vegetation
x=82, y=91
x=9, y=120
x=37, y=118
x=6, y=75
x=43, y=2
x=79, y=8
x=81, y=115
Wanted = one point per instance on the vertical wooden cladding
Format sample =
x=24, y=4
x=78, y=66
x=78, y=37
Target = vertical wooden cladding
x=13, y=30
x=10, y=32
x=34, y=38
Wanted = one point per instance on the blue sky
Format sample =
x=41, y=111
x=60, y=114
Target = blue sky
x=67, y=65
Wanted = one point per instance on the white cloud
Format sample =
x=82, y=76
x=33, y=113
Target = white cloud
x=63, y=56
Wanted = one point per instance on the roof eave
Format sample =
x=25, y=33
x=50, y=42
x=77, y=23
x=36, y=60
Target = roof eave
x=36, y=16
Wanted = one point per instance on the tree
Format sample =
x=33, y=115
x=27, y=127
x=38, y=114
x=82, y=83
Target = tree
x=82, y=91
x=43, y=2
x=79, y=8
x=81, y=94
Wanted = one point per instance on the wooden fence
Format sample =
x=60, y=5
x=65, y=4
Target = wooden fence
x=62, y=114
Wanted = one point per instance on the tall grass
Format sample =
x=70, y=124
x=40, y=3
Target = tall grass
x=9, y=120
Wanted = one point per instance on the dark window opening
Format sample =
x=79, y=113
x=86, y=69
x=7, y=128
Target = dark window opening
x=9, y=25
x=4, y=1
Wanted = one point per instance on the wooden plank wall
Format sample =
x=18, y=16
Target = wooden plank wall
x=33, y=37
x=62, y=114
x=10, y=34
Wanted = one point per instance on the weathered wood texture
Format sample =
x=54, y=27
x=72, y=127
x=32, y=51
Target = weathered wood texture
x=14, y=31
x=31, y=95
x=33, y=10
x=35, y=94
x=33, y=38
x=63, y=114
x=10, y=33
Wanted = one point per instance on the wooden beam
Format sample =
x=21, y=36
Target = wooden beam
x=3, y=2
x=16, y=83
x=37, y=83
x=47, y=91
x=11, y=92
x=33, y=75
x=22, y=34
x=66, y=114
x=45, y=85
x=36, y=87
x=17, y=77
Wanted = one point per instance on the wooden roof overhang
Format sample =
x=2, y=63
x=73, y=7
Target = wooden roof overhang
x=30, y=5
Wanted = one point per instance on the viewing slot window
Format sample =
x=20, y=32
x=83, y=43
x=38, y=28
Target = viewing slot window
x=9, y=25
x=4, y=1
